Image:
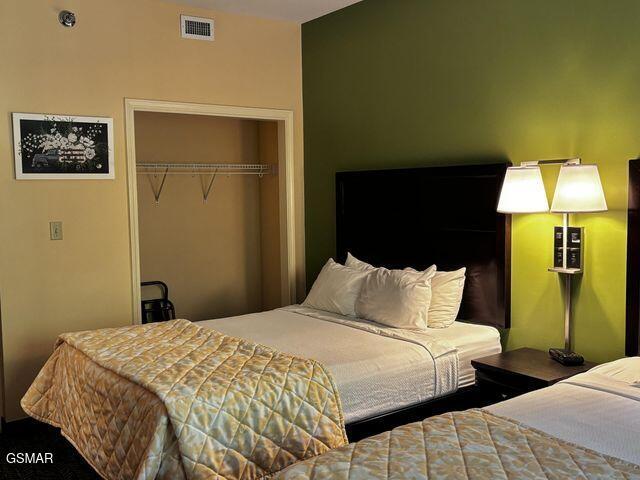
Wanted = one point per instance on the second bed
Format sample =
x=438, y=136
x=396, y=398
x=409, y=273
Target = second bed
x=585, y=427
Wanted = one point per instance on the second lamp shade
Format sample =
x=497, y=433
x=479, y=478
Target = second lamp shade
x=578, y=190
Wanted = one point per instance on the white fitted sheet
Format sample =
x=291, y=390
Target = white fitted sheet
x=599, y=409
x=376, y=369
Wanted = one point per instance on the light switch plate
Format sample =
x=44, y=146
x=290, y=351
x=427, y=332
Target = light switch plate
x=55, y=229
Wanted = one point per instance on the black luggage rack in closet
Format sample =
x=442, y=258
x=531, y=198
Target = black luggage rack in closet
x=158, y=309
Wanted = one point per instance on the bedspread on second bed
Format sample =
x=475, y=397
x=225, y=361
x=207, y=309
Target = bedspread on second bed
x=174, y=400
x=473, y=444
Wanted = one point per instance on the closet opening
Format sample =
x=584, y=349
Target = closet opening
x=210, y=212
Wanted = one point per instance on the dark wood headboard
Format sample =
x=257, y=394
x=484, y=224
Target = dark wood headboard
x=632, y=331
x=437, y=215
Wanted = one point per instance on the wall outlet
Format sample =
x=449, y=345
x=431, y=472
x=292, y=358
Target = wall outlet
x=55, y=229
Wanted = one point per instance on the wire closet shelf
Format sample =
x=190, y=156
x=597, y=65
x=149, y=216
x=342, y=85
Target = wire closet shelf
x=157, y=173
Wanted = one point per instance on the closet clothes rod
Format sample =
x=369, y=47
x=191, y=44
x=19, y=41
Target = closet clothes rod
x=157, y=173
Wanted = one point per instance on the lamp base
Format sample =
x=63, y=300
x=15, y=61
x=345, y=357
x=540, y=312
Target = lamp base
x=566, y=357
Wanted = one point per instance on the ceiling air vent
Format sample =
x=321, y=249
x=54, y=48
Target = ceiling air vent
x=197, y=28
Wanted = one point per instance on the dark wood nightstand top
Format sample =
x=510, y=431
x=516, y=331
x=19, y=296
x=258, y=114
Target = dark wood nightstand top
x=531, y=363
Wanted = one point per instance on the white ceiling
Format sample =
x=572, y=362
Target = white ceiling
x=294, y=10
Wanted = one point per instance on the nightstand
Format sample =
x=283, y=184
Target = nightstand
x=509, y=374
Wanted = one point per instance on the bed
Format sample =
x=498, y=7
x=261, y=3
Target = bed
x=583, y=427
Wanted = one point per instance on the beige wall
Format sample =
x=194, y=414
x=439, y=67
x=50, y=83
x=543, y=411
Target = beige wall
x=118, y=49
x=209, y=254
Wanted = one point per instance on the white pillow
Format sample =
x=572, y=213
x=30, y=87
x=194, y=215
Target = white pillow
x=396, y=298
x=336, y=289
x=446, y=297
x=625, y=370
x=353, y=262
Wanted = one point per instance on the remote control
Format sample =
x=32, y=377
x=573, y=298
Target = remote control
x=565, y=358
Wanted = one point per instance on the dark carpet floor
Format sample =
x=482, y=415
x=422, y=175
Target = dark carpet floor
x=34, y=437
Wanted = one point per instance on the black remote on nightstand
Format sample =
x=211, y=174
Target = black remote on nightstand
x=566, y=358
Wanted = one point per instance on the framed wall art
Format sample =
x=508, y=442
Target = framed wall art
x=62, y=147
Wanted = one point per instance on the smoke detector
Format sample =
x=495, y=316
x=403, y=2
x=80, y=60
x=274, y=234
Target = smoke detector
x=196, y=28
x=67, y=18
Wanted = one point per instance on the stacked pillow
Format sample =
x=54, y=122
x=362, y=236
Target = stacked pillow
x=406, y=298
x=336, y=289
x=445, y=303
x=396, y=298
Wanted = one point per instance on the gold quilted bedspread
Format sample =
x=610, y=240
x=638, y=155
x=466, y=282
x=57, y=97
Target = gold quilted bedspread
x=462, y=445
x=177, y=401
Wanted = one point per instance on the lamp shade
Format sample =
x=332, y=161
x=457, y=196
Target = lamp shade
x=523, y=191
x=578, y=190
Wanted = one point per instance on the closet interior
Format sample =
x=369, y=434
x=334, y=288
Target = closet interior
x=208, y=212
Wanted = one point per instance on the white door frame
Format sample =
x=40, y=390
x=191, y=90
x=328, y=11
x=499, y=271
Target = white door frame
x=284, y=118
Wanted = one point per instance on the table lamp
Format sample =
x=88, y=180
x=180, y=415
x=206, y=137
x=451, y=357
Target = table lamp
x=578, y=190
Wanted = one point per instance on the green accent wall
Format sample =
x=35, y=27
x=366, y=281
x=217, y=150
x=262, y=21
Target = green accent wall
x=402, y=83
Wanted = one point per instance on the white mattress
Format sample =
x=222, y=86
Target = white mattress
x=376, y=369
x=599, y=409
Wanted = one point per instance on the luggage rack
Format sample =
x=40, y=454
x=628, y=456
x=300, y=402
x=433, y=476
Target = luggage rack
x=157, y=173
x=157, y=309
